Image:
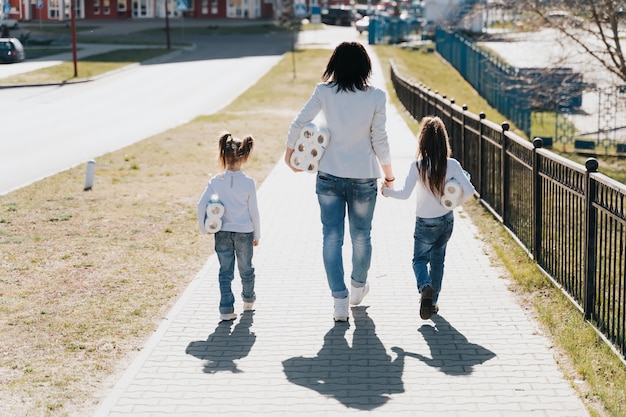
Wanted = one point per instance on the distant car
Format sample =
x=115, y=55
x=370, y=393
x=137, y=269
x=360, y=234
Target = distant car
x=10, y=23
x=337, y=16
x=11, y=51
x=560, y=17
x=362, y=24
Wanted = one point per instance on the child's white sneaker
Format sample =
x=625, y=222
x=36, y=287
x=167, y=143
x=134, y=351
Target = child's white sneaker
x=227, y=316
x=341, y=309
x=248, y=305
x=357, y=294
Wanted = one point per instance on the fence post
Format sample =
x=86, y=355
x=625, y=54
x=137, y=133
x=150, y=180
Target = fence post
x=590, y=238
x=504, y=184
x=463, y=136
x=482, y=117
x=537, y=203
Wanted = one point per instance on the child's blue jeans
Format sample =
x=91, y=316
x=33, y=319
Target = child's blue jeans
x=231, y=246
x=429, y=251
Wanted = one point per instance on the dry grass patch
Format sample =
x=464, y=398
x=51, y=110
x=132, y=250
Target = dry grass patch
x=85, y=277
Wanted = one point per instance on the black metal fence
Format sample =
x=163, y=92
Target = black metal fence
x=569, y=217
x=515, y=92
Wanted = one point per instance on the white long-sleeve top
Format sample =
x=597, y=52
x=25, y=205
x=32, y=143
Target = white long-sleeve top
x=237, y=193
x=356, y=121
x=428, y=205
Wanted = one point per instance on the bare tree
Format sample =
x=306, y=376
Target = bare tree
x=593, y=25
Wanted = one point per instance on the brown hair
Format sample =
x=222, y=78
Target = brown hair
x=433, y=149
x=233, y=150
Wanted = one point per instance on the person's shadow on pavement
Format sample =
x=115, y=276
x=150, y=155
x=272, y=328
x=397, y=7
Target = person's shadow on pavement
x=362, y=376
x=223, y=347
x=451, y=352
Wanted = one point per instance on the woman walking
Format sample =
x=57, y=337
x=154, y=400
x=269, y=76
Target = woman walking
x=348, y=171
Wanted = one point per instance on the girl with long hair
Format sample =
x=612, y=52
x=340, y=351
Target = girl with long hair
x=430, y=174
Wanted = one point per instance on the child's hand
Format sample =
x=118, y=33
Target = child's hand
x=383, y=188
x=255, y=242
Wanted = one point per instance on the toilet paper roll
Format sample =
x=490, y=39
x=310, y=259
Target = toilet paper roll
x=308, y=131
x=298, y=159
x=449, y=203
x=213, y=224
x=215, y=209
x=315, y=152
x=452, y=194
x=302, y=146
x=452, y=188
x=322, y=137
x=310, y=166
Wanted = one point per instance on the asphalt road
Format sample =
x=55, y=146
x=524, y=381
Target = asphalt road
x=48, y=129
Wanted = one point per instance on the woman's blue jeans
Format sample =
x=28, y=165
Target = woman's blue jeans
x=231, y=246
x=429, y=251
x=334, y=195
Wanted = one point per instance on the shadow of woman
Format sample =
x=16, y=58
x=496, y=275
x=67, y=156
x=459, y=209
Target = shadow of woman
x=223, y=347
x=451, y=352
x=362, y=376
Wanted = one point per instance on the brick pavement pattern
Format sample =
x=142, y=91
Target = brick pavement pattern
x=481, y=356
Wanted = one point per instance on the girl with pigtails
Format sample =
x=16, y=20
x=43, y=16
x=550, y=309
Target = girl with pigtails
x=240, y=228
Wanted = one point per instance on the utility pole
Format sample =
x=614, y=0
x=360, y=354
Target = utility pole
x=73, y=23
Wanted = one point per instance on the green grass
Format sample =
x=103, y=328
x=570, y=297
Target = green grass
x=88, y=67
x=34, y=52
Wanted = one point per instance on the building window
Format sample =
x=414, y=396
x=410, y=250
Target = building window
x=96, y=6
x=54, y=9
x=121, y=6
x=214, y=6
x=106, y=6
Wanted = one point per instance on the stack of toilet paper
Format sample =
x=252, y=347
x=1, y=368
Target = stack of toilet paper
x=214, y=213
x=452, y=194
x=310, y=147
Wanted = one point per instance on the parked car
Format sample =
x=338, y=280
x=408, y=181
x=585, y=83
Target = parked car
x=11, y=50
x=337, y=16
x=362, y=24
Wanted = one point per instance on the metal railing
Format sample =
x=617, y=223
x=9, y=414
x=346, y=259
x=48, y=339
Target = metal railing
x=568, y=217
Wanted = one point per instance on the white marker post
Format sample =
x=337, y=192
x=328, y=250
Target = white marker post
x=91, y=169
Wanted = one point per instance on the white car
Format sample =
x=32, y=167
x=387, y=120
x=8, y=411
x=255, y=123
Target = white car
x=362, y=24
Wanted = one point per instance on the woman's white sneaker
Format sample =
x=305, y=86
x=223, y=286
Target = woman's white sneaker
x=342, y=311
x=358, y=293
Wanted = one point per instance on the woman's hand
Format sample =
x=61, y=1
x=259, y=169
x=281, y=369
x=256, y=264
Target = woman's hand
x=288, y=154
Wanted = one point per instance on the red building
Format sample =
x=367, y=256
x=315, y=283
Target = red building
x=59, y=10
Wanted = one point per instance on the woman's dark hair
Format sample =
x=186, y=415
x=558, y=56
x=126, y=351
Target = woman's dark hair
x=349, y=67
x=233, y=150
x=433, y=148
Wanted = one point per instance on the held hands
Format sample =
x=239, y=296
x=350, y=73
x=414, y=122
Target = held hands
x=387, y=183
